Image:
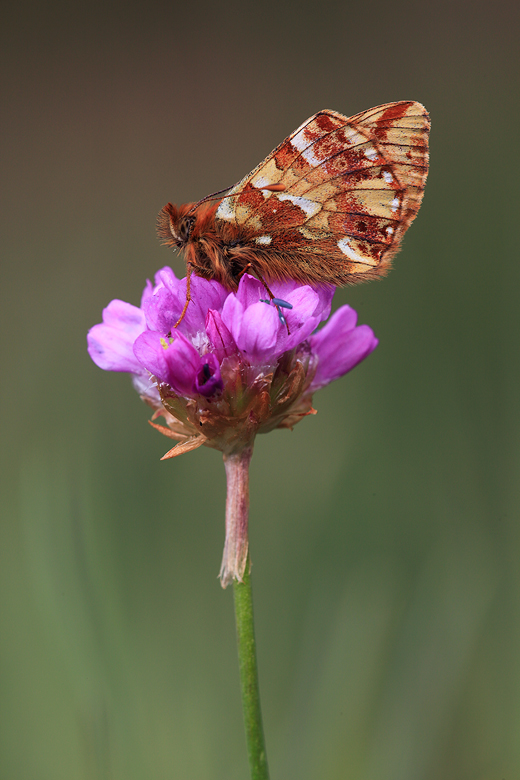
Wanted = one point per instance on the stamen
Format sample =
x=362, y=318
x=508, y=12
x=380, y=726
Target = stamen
x=280, y=315
x=283, y=304
x=277, y=303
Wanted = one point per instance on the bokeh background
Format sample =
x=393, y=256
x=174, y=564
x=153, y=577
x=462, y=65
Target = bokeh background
x=384, y=531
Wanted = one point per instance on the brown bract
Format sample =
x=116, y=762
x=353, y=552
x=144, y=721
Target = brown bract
x=252, y=402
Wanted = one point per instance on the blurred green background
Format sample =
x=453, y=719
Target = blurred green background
x=384, y=531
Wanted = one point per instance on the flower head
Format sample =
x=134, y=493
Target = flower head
x=236, y=365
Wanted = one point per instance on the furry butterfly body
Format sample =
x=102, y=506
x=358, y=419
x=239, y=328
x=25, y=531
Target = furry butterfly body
x=329, y=205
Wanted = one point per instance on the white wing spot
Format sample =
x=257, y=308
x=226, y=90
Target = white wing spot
x=395, y=204
x=388, y=177
x=263, y=240
x=389, y=230
x=310, y=157
x=261, y=181
x=300, y=142
x=310, y=207
x=344, y=245
x=371, y=153
x=226, y=210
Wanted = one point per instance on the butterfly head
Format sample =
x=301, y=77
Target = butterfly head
x=175, y=225
x=190, y=228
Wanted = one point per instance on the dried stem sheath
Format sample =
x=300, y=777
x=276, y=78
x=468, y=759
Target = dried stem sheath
x=237, y=514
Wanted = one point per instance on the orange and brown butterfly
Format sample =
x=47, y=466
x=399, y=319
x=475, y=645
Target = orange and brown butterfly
x=329, y=205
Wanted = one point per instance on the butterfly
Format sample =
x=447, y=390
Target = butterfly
x=330, y=205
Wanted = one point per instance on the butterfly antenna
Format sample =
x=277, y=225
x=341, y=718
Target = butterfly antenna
x=215, y=195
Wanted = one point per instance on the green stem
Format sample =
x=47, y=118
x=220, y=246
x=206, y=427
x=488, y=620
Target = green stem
x=236, y=569
x=249, y=677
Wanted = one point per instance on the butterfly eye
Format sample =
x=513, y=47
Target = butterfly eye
x=185, y=229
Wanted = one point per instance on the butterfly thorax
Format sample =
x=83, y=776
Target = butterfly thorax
x=213, y=251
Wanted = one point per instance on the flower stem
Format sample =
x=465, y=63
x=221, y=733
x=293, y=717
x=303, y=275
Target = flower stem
x=249, y=677
x=236, y=569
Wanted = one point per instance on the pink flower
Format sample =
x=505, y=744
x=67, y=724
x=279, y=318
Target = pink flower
x=237, y=365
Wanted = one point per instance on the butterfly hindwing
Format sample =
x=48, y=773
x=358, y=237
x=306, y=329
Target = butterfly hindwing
x=351, y=188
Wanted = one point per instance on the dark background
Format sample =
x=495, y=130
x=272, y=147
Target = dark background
x=384, y=531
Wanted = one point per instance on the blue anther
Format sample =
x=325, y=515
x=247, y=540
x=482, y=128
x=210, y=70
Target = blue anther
x=280, y=302
x=282, y=318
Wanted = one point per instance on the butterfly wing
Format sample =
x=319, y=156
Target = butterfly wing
x=349, y=189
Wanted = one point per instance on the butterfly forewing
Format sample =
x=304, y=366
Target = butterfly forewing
x=351, y=189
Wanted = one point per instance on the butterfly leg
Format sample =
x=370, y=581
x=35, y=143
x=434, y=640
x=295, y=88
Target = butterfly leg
x=277, y=302
x=270, y=294
x=189, y=267
x=250, y=265
x=242, y=272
